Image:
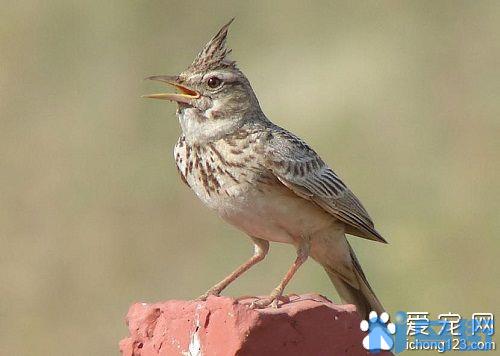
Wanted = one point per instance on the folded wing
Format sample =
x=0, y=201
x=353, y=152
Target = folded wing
x=299, y=168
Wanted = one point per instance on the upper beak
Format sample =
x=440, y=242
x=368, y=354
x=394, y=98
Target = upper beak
x=185, y=96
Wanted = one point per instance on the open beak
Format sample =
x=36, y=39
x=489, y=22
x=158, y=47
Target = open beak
x=185, y=94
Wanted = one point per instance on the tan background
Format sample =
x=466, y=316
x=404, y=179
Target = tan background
x=400, y=97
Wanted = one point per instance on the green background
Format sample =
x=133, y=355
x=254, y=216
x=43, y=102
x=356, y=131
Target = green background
x=401, y=98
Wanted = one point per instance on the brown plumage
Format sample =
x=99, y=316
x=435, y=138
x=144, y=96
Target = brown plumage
x=262, y=179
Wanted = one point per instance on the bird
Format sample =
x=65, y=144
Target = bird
x=264, y=180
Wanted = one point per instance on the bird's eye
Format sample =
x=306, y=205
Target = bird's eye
x=214, y=82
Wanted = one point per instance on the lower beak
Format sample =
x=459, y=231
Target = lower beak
x=185, y=96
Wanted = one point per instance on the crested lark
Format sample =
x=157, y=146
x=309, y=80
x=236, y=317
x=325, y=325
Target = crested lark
x=262, y=179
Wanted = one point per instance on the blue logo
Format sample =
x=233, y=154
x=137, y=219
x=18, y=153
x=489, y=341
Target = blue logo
x=418, y=331
x=449, y=332
x=380, y=332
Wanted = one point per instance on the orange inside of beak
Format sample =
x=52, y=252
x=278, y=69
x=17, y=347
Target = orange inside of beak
x=186, y=91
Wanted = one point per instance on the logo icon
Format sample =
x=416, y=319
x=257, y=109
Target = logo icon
x=380, y=332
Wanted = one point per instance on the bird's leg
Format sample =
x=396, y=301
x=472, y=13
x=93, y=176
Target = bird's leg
x=261, y=247
x=302, y=255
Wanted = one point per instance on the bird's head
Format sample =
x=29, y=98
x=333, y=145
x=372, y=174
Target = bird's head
x=214, y=96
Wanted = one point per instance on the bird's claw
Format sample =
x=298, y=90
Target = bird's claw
x=263, y=303
x=272, y=301
x=212, y=291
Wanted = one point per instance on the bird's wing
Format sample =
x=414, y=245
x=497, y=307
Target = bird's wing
x=299, y=168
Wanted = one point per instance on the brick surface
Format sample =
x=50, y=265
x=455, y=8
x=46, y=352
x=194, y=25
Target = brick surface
x=306, y=325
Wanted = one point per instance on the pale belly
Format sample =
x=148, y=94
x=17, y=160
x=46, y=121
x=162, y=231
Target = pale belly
x=275, y=214
x=252, y=201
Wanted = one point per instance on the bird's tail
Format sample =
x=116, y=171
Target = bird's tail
x=348, y=278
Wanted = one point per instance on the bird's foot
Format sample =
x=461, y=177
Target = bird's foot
x=264, y=303
x=212, y=291
x=272, y=300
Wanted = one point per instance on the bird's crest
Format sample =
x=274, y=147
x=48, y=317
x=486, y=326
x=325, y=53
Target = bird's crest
x=213, y=55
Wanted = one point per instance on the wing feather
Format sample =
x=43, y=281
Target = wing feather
x=300, y=169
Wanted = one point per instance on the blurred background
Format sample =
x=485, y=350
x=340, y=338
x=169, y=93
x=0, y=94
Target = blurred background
x=401, y=98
